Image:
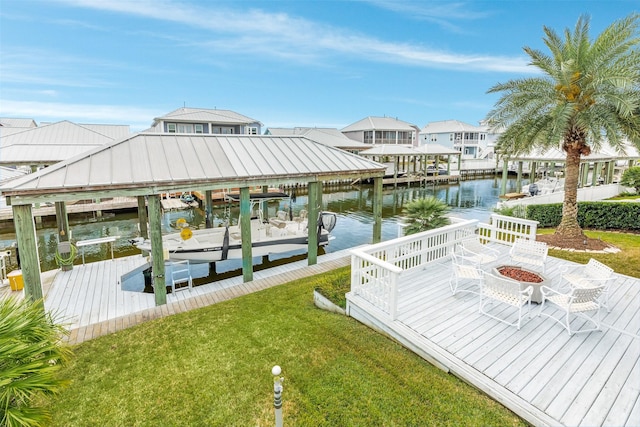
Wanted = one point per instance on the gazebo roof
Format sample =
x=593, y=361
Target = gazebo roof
x=391, y=150
x=153, y=163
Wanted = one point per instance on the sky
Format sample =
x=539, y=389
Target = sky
x=306, y=63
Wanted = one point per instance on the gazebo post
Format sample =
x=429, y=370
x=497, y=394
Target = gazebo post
x=314, y=212
x=377, y=209
x=208, y=208
x=245, y=235
x=505, y=171
x=519, y=178
x=143, y=217
x=28, y=246
x=62, y=223
x=157, y=252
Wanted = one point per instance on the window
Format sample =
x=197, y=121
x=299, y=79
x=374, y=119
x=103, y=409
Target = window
x=185, y=128
x=251, y=130
x=368, y=137
x=199, y=128
x=171, y=127
x=222, y=130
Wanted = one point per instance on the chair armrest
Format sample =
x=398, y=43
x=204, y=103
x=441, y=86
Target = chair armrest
x=547, y=291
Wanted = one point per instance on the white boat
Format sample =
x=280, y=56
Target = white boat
x=544, y=186
x=282, y=233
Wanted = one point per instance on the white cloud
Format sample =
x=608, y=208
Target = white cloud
x=137, y=118
x=284, y=36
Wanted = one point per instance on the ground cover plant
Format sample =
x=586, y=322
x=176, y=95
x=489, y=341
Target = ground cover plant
x=212, y=367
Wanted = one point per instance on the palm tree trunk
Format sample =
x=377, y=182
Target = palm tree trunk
x=569, y=227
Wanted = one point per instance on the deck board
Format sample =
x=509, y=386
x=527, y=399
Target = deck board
x=540, y=372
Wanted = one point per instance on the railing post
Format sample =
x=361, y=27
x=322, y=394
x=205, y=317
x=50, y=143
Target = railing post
x=393, y=297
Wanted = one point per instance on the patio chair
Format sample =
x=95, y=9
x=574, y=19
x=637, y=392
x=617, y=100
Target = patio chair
x=181, y=273
x=475, y=251
x=593, y=274
x=530, y=252
x=505, y=291
x=578, y=301
x=464, y=272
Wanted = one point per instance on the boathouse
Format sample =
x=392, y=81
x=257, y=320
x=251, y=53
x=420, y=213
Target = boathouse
x=146, y=165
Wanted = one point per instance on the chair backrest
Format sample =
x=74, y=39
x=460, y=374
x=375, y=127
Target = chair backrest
x=530, y=246
x=597, y=270
x=472, y=244
x=504, y=289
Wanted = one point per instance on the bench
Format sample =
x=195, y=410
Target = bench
x=529, y=252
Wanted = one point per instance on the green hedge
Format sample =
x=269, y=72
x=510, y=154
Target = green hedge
x=591, y=215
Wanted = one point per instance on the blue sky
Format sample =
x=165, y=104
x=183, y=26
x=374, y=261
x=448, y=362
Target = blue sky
x=284, y=63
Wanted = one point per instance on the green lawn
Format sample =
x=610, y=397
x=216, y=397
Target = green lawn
x=213, y=367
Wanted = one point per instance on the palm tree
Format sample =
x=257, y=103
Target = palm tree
x=31, y=355
x=589, y=91
x=425, y=214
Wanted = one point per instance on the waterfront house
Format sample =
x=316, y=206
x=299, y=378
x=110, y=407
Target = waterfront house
x=187, y=120
x=471, y=141
x=382, y=130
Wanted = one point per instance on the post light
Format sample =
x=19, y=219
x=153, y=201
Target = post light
x=277, y=393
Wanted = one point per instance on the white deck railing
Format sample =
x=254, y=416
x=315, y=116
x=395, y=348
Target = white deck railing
x=377, y=269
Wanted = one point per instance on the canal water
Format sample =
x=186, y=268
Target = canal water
x=474, y=199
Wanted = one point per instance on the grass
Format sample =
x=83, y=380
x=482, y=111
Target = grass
x=213, y=367
x=624, y=262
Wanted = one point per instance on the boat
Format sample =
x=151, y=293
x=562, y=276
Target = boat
x=546, y=185
x=279, y=234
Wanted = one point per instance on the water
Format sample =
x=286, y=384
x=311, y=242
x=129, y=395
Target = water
x=473, y=199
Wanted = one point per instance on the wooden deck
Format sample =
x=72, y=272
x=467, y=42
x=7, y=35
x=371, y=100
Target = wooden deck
x=90, y=302
x=540, y=372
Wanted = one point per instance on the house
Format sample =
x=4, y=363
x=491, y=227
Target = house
x=327, y=136
x=11, y=125
x=382, y=130
x=187, y=120
x=471, y=141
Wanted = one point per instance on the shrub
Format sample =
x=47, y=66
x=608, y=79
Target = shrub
x=31, y=354
x=593, y=215
x=631, y=178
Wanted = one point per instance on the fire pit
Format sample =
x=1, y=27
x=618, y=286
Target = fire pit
x=525, y=277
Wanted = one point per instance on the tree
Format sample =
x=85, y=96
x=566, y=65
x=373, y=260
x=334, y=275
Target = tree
x=31, y=355
x=631, y=178
x=588, y=92
x=425, y=214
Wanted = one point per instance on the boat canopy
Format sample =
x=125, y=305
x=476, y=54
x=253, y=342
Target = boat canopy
x=235, y=197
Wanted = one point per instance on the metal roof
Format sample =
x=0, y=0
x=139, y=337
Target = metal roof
x=379, y=123
x=437, y=149
x=49, y=144
x=448, y=126
x=17, y=122
x=152, y=163
x=186, y=114
x=327, y=136
x=557, y=155
x=391, y=150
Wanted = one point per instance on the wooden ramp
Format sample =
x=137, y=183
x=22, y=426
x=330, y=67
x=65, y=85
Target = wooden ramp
x=540, y=372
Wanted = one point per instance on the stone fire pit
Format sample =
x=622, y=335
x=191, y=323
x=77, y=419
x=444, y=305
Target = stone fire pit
x=525, y=277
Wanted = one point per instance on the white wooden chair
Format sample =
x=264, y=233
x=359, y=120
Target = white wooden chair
x=578, y=302
x=475, y=251
x=591, y=275
x=181, y=273
x=505, y=291
x=464, y=272
x=530, y=252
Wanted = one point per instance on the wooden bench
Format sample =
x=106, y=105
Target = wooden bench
x=529, y=252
